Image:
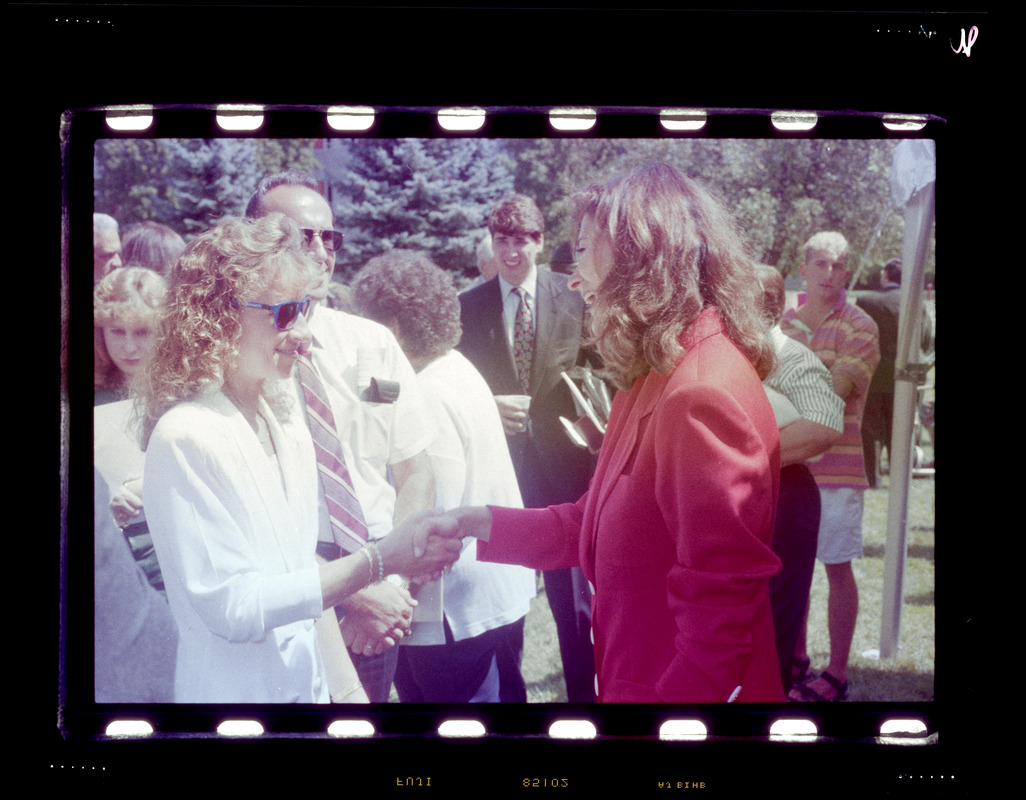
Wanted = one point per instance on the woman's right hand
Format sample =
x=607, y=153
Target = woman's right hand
x=126, y=503
x=422, y=545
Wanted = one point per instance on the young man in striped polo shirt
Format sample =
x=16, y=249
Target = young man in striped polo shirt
x=846, y=340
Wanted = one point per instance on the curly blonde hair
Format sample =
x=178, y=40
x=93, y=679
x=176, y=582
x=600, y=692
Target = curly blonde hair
x=200, y=326
x=127, y=296
x=675, y=251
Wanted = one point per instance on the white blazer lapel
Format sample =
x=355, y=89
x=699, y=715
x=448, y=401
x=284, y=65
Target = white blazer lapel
x=261, y=484
x=294, y=507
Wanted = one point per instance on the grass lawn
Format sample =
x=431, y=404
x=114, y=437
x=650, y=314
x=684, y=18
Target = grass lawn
x=908, y=675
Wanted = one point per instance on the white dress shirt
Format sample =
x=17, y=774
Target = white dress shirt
x=348, y=351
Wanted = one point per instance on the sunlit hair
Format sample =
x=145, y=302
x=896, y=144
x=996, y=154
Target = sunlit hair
x=675, y=250
x=151, y=244
x=290, y=177
x=200, y=327
x=516, y=214
x=774, y=298
x=104, y=223
x=831, y=242
x=404, y=288
x=126, y=297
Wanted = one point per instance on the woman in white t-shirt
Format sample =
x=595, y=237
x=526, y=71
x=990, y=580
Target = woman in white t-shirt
x=467, y=635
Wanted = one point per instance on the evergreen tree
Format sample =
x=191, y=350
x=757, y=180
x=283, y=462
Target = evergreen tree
x=188, y=184
x=426, y=194
x=278, y=155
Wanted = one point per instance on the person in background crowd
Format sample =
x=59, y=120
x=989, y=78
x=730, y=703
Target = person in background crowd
x=125, y=307
x=810, y=418
x=487, y=263
x=234, y=509
x=675, y=529
x=845, y=339
x=469, y=648
x=134, y=634
x=151, y=245
x=884, y=306
x=106, y=246
x=521, y=330
x=562, y=259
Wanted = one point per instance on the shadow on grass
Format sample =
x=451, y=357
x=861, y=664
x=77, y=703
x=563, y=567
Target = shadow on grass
x=925, y=551
x=880, y=684
x=926, y=599
x=550, y=689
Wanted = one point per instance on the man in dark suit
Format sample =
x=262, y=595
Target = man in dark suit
x=884, y=307
x=522, y=329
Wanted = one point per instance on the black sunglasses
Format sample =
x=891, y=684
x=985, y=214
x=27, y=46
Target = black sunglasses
x=332, y=239
x=285, y=314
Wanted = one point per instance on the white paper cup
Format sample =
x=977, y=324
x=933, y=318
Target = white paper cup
x=519, y=401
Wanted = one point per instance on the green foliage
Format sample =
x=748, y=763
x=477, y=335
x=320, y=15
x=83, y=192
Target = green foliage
x=425, y=194
x=781, y=191
x=434, y=194
x=278, y=155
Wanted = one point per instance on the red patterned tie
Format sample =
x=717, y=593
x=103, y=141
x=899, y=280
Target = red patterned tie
x=523, y=340
x=347, y=523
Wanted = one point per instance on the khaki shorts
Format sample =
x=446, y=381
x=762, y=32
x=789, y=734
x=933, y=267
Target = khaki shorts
x=840, y=525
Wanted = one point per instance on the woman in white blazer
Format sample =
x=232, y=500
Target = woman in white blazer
x=231, y=480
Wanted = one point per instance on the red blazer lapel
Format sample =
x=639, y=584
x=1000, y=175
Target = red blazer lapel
x=629, y=410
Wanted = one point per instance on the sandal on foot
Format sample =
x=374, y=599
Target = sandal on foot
x=799, y=670
x=806, y=694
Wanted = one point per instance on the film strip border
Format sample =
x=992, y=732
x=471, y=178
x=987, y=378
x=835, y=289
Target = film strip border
x=273, y=121
x=904, y=724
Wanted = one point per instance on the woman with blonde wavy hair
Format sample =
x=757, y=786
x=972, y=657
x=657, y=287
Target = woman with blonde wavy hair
x=674, y=532
x=125, y=307
x=232, y=484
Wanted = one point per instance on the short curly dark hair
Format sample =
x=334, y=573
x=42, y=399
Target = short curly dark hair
x=516, y=214
x=404, y=289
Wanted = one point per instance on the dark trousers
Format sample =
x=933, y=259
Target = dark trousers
x=876, y=429
x=509, y=655
x=454, y=671
x=569, y=597
x=794, y=541
x=377, y=673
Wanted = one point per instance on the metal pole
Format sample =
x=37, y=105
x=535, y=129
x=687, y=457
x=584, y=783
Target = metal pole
x=908, y=372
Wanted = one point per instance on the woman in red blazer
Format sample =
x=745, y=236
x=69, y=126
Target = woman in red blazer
x=674, y=532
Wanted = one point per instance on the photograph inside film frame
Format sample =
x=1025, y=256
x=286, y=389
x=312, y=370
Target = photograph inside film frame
x=519, y=421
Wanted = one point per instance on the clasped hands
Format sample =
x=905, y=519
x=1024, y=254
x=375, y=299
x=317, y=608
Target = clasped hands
x=422, y=547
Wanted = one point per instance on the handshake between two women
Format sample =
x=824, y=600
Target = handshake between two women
x=421, y=548
x=426, y=544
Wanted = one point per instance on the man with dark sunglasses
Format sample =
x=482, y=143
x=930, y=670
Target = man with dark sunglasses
x=296, y=195
x=376, y=436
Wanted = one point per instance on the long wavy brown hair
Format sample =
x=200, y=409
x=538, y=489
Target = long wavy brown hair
x=200, y=327
x=676, y=250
